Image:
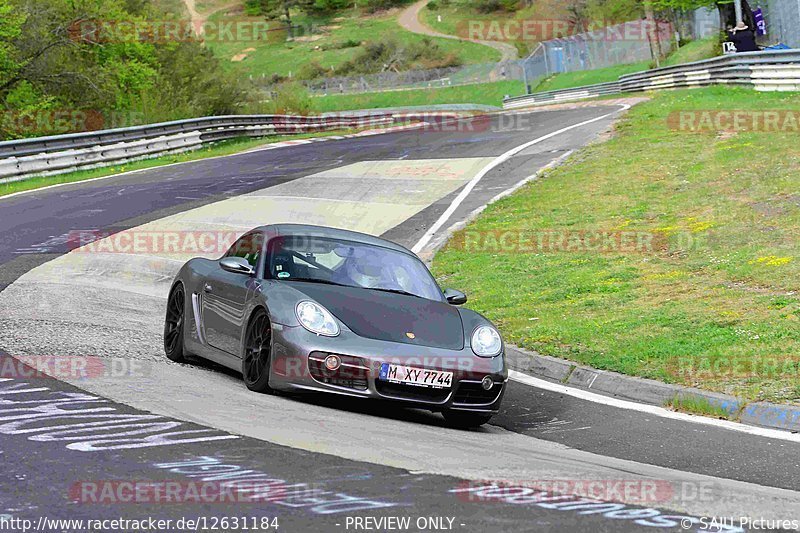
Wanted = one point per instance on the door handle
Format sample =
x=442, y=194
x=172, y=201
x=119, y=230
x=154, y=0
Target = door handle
x=206, y=287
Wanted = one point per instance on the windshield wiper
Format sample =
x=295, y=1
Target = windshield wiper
x=395, y=291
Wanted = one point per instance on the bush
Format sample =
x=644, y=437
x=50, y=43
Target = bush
x=290, y=99
x=493, y=6
x=328, y=6
x=312, y=70
x=191, y=82
x=371, y=6
x=341, y=45
x=252, y=8
x=390, y=54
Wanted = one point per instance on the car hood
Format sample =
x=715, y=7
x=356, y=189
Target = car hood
x=389, y=317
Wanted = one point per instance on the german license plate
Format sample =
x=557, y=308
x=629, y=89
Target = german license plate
x=420, y=377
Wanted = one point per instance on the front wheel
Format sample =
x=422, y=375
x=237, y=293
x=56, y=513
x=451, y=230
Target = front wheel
x=174, y=324
x=466, y=419
x=257, y=358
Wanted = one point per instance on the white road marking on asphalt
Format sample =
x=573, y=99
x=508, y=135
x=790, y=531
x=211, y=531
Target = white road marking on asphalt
x=497, y=161
x=651, y=409
x=477, y=211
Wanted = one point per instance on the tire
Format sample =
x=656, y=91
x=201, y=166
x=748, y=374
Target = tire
x=174, y=325
x=257, y=356
x=466, y=419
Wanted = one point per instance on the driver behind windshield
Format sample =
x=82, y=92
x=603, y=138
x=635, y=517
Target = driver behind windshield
x=365, y=269
x=325, y=260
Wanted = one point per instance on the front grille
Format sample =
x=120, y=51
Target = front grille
x=352, y=374
x=411, y=392
x=472, y=393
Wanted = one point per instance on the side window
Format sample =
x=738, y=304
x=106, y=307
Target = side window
x=247, y=247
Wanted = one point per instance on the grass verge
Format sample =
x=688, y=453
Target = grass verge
x=694, y=51
x=479, y=93
x=221, y=148
x=698, y=406
x=713, y=303
x=567, y=80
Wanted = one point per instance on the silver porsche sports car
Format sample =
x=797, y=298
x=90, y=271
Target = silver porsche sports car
x=308, y=308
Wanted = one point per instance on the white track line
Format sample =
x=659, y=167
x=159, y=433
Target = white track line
x=651, y=409
x=497, y=161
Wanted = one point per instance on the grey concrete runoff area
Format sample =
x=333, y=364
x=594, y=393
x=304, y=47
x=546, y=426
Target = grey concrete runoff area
x=138, y=437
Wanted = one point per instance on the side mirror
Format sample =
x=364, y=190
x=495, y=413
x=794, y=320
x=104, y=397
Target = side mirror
x=455, y=297
x=236, y=265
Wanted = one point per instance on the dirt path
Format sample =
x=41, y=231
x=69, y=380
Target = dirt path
x=409, y=19
x=199, y=19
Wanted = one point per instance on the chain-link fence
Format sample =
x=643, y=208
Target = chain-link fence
x=417, y=79
x=631, y=42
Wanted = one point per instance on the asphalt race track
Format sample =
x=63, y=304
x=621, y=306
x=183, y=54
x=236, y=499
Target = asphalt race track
x=69, y=445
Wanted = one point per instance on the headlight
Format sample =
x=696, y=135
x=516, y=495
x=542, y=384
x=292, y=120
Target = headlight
x=486, y=341
x=316, y=319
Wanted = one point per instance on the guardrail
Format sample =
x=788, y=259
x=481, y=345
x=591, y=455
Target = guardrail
x=20, y=159
x=562, y=95
x=777, y=70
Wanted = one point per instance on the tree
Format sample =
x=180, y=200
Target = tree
x=724, y=7
x=56, y=55
x=275, y=9
x=10, y=28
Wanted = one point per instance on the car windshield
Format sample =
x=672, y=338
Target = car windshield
x=355, y=264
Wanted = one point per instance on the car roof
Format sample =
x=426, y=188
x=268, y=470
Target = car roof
x=285, y=230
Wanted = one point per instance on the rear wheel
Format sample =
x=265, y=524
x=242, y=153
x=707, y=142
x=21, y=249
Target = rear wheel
x=466, y=419
x=257, y=358
x=174, y=324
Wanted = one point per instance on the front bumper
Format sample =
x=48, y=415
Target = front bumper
x=297, y=365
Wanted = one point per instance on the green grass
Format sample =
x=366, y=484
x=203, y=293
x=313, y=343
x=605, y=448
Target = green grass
x=718, y=308
x=566, y=80
x=221, y=148
x=479, y=93
x=698, y=406
x=457, y=16
x=694, y=51
x=283, y=57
